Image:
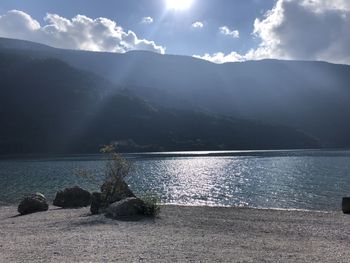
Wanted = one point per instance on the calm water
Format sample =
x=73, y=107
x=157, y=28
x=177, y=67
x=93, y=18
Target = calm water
x=314, y=180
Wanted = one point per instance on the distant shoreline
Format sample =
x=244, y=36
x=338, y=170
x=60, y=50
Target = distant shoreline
x=180, y=234
x=177, y=153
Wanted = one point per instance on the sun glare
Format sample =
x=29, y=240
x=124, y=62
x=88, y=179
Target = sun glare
x=179, y=4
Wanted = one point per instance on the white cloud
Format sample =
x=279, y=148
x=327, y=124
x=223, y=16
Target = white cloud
x=80, y=32
x=228, y=32
x=147, y=20
x=320, y=5
x=198, y=24
x=220, y=57
x=307, y=30
x=301, y=30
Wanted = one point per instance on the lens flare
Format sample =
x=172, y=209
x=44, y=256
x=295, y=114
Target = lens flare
x=179, y=4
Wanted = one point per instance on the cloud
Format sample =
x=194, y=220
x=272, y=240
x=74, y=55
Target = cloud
x=300, y=30
x=80, y=32
x=198, y=24
x=320, y=5
x=307, y=30
x=147, y=20
x=220, y=57
x=228, y=32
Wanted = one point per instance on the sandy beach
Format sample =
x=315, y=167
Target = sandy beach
x=180, y=234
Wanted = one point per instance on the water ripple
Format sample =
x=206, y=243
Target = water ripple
x=290, y=181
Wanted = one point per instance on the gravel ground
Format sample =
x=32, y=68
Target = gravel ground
x=180, y=234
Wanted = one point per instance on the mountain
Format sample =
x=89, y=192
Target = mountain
x=309, y=96
x=47, y=106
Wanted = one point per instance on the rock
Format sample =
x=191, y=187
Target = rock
x=121, y=192
x=346, y=205
x=74, y=197
x=97, y=203
x=126, y=208
x=35, y=203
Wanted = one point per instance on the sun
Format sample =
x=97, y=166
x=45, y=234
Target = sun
x=179, y=4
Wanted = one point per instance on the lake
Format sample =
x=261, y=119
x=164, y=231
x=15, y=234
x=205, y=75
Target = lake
x=308, y=179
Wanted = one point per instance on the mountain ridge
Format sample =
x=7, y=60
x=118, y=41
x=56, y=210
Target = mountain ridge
x=48, y=106
x=10, y=43
x=304, y=95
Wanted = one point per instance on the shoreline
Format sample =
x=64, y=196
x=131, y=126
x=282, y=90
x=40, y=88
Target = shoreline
x=186, y=153
x=255, y=208
x=50, y=202
x=180, y=234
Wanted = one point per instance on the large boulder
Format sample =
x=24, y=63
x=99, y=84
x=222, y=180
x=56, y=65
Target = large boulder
x=110, y=193
x=34, y=203
x=127, y=208
x=74, y=197
x=121, y=191
x=346, y=205
x=98, y=203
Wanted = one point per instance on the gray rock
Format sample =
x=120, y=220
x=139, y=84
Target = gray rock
x=97, y=203
x=72, y=198
x=35, y=203
x=346, y=205
x=121, y=191
x=127, y=208
x=100, y=201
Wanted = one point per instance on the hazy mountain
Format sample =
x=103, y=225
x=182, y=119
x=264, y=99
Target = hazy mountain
x=47, y=106
x=310, y=96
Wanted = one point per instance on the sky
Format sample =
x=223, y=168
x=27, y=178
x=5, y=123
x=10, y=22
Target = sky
x=216, y=30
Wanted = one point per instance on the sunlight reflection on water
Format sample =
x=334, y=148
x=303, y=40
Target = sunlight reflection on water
x=299, y=182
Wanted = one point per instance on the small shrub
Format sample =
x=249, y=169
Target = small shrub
x=152, y=207
x=114, y=187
